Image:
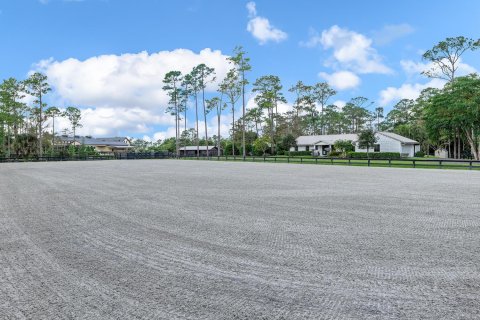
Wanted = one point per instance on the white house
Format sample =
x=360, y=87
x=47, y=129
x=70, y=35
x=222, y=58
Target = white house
x=386, y=142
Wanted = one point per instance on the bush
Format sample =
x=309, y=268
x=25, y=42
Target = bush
x=419, y=154
x=299, y=153
x=334, y=154
x=374, y=155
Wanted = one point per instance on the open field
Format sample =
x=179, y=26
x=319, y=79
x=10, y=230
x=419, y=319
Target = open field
x=175, y=239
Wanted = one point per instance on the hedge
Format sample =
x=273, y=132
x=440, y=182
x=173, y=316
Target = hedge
x=374, y=155
x=298, y=153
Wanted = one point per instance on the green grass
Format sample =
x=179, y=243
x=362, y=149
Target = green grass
x=353, y=162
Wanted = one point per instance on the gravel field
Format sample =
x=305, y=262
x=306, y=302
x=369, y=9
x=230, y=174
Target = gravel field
x=173, y=239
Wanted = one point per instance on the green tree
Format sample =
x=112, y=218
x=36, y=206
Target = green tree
x=73, y=115
x=260, y=145
x=172, y=81
x=216, y=104
x=242, y=64
x=232, y=88
x=445, y=56
x=344, y=146
x=268, y=89
x=206, y=75
x=322, y=93
x=38, y=87
x=53, y=112
x=366, y=139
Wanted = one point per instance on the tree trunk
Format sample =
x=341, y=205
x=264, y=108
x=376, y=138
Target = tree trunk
x=233, y=129
x=473, y=142
x=243, y=114
x=196, y=125
x=219, y=110
x=205, y=120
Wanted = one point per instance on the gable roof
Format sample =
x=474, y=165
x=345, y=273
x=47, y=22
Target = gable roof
x=89, y=141
x=327, y=139
x=398, y=137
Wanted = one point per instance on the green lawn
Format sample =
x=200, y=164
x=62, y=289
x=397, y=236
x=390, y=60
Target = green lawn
x=407, y=163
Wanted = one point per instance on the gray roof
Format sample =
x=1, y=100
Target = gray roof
x=327, y=139
x=398, y=137
x=194, y=148
x=89, y=141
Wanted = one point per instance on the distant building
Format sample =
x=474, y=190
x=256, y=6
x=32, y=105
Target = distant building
x=387, y=142
x=101, y=145
x=191, y=151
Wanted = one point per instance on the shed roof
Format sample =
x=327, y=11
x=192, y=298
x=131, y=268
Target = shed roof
x=194, y=148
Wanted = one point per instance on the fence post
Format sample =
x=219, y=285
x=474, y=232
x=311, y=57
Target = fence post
x=301, y=159
x=263, y=158
x=440, y=163
x=275, y=159
x=470, y=167
x=389, y=162
x=331, y=161
x=316, y=160
x=288, y=159
x=369, y=162
x=414, y=163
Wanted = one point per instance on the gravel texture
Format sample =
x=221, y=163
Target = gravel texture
x=167, y=239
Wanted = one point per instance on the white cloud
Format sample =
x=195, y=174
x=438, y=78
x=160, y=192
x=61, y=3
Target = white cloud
x=123, y=92
x=407, y=91
x=260, y=27
x=340, y=104
x=412, y=68
x=351, y=50
x=341, y=80
x=391, y=32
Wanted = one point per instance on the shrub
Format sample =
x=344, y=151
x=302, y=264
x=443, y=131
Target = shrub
x=300, y=153
x=419, y=154
x=334, y=154
x=374, y=155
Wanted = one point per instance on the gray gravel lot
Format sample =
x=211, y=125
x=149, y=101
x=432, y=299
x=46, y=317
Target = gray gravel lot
x=167, y=239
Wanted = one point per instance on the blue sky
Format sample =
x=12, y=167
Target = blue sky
x=108, y=57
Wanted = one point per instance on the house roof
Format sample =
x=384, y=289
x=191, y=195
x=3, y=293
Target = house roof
x=398, y=137
x=89, y=141
x=327, y=139
x=194, y=148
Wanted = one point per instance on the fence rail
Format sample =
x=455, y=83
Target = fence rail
x=385, y=162
x=118, y=156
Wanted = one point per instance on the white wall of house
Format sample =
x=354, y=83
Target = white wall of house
x=387, y=144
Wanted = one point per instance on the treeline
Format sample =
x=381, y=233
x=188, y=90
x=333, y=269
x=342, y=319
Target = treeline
x=446, y=119
x=23, y=131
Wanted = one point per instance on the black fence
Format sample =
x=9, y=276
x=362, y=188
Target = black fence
x=402, y=162
x=117, y=156
x=386, y=162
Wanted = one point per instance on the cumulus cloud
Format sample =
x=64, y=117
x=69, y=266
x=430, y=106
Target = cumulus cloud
x=260, y=27
x=412, y=68
x=351, y=50
x=391, y=32
x=341, y=80
x=122, y=93
x=407, y=91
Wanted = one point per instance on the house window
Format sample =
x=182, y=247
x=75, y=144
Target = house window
x=307, y=148
x=376, y=147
